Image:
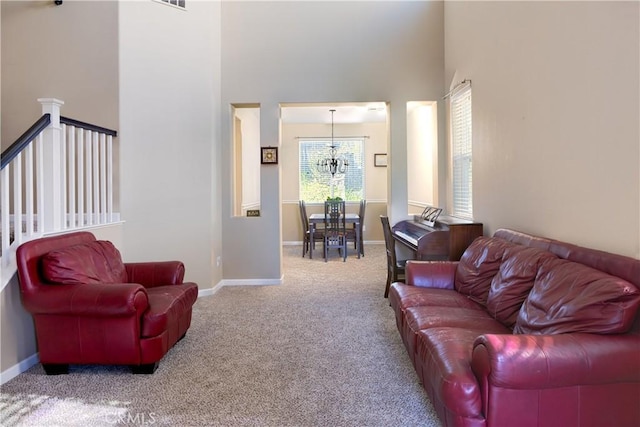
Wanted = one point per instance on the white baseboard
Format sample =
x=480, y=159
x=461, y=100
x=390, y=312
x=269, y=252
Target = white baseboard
x=19, y=368
x=210, y=291
x=251, y=282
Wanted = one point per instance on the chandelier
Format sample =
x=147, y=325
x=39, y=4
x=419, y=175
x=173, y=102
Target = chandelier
x=334, y=164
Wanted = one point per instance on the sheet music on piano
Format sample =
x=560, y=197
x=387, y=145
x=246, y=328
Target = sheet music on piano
x=430, y=214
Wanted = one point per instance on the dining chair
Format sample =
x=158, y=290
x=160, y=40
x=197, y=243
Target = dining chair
x=318, y=234
x=335, y=228
x=395, y=267
x=352, y=233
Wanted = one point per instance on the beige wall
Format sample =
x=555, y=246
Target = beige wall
x=555, y=116
x=69, y=52
x=375, y=177
x=289, y=52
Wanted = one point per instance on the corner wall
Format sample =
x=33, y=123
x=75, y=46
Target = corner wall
x=169, y=121
x=555, y=116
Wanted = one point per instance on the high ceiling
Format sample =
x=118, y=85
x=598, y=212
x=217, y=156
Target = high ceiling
x=370, y=112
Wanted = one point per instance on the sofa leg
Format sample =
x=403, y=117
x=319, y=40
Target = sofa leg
x=55, y=368
x=148, y=368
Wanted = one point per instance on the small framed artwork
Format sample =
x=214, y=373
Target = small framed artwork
x=269, y=155
x=380, y=160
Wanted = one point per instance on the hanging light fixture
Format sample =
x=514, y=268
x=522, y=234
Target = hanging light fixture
x=334, y=164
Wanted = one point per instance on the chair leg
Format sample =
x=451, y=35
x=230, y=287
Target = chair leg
x=147, y=368
x=55, y=368
x=386, y=289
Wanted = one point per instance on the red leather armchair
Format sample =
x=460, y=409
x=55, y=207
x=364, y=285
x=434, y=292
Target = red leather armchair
x=89, y=307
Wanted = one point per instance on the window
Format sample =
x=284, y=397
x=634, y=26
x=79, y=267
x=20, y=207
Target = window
x=316, y=186
x=178, y=3
x=461, y=144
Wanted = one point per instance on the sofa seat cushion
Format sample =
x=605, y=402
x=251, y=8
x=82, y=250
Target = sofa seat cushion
x=480, y=262
x=427, y=317
x=443, y=362
x=513, y=282
x=97, y=261
x=167, y=304
x=404, y=296
x=568, y=297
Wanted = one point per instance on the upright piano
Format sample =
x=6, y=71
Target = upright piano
x=446, y=239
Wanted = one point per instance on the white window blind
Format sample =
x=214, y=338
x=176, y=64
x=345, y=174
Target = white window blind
x=316, y=186
x=461, y=152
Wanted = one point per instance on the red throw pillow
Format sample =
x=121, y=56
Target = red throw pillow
x=571, y=297
x=511, y=286
x=94, y=262
x=479, y=263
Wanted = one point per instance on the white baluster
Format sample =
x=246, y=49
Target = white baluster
x=71, y=168
x=63, y=176
x=29, y=189
x=16, y=165
x=88, y=176
x=96, y=178
x=40, y=183
x=110, y=178
x=81, y=193
x=103, y=178
x=6, y=223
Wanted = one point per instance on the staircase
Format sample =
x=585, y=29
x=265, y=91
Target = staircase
x=56, y=178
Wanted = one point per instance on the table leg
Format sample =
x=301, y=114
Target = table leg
x=358, y=248
x=311, y=241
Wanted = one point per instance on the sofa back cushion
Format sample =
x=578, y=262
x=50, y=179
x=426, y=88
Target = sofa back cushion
x=93, y=262
x=570, y=297
x=513, y=282
x=478, y=264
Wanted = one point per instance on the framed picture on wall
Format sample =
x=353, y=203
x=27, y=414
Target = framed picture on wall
x=269, y=155
x=380, y=160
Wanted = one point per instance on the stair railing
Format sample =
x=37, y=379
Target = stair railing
x=58, y=176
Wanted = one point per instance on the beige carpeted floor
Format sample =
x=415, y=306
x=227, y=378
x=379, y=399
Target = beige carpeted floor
x=320, y=350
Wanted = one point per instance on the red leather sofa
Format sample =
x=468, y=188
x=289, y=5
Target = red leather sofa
x=89, y=307
x=525, y=331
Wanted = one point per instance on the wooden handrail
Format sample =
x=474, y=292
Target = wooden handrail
x=87, y=126
x=24, y=140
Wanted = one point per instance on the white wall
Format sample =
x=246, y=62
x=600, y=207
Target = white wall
x=169, y=108
x=287, y=52
x=422, y=155
x=555, y=116
x=250, y=128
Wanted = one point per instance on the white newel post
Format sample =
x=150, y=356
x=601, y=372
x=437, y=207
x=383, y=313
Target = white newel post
x=52, y=167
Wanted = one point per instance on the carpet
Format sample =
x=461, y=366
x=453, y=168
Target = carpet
x=322, y=349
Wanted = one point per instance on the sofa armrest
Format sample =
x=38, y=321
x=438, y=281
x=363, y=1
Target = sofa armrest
x=99, y=300
x=552, y=361
x=431, y=274
x=151, y=274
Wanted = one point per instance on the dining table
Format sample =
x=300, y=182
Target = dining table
x=349, y=218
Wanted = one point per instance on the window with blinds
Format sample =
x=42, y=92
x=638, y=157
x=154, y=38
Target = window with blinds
x=461, y=152
x=316, y=186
